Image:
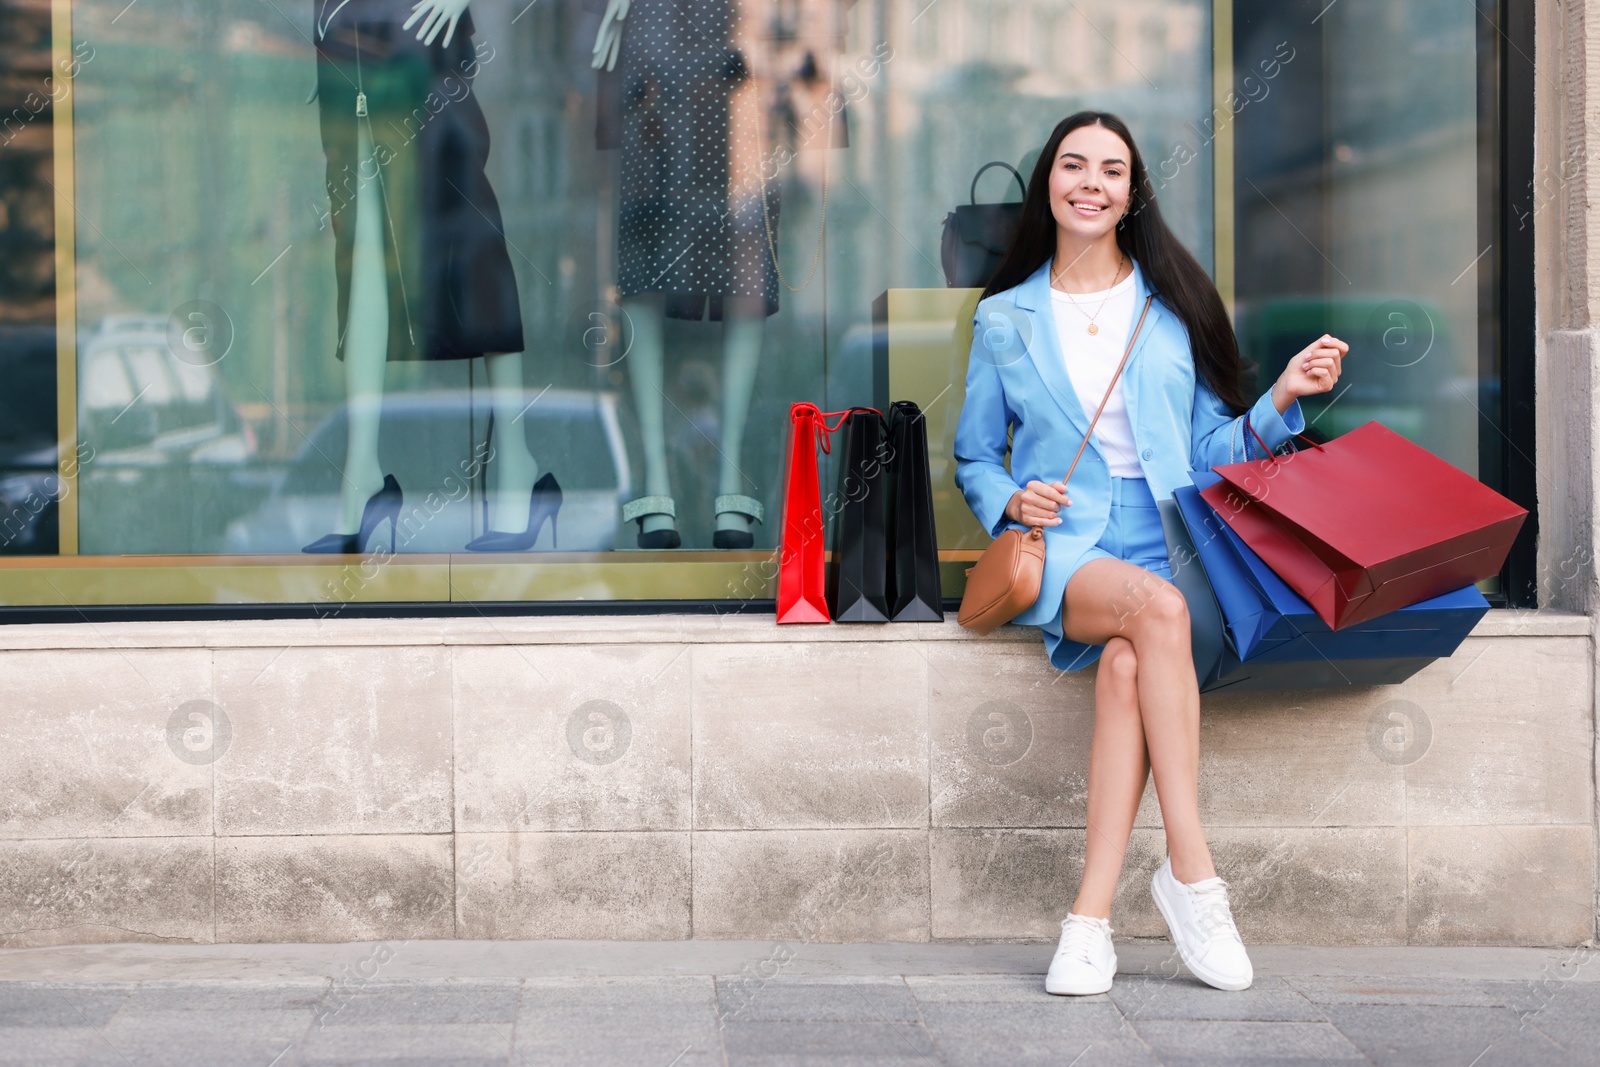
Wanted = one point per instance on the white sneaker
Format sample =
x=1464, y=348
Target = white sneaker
x=1085, y=962
x=1202, y=928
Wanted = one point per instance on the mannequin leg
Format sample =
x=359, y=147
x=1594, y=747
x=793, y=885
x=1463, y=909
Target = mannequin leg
x=744, y=323
x=514, y=466
x=647, y=313
x=366, y=349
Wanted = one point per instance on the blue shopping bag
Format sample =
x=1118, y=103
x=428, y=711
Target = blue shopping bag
x=1217, y=667
x=1267, y=622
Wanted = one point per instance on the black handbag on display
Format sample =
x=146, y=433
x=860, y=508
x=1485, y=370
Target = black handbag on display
x=914, y=593
x=858, y=581
x=976, y=235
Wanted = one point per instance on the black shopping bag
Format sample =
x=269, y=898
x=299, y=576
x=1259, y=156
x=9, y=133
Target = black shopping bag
x=914, y=594
x=857, y=581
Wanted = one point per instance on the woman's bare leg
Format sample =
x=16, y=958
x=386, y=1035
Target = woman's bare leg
x=1108, y=598
x=1117, y=772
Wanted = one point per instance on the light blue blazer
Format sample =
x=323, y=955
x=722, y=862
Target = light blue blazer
x=1018, y=388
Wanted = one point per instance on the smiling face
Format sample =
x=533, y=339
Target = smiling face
x=1090, y=183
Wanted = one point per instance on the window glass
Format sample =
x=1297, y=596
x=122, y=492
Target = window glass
x=331, y=282
x=1358, y=200
x=633, y=272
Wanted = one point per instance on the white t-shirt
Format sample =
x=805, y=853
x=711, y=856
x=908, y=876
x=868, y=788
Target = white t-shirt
x=1092, y=359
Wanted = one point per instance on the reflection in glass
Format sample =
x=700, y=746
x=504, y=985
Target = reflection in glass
x=1357, y=204
x=696, y=88
x=421, y=262
x=659, y=257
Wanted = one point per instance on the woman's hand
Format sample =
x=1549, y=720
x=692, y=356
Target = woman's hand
x=1314, y=369
x=1038, y=504
x=608, y=42
x=436, y=15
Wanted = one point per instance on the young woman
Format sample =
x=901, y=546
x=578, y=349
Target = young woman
x=1047, y=338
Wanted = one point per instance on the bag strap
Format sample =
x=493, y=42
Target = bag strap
x=1107, y=398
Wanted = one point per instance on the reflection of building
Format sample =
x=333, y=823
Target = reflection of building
x=231, y=205
x=28, y=82
x=1360, y=188
x=971, y=81
x=1055, y=46
x=999, y=76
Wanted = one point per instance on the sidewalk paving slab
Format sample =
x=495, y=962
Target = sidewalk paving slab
x=759, y=1004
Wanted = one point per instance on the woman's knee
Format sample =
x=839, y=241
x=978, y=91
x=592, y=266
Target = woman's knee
x=1119, y=665
x=1166, y=609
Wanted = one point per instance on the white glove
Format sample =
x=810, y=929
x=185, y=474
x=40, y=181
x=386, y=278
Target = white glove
x=608, y=42
x=436, y=15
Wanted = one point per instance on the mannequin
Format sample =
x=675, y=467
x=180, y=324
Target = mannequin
x=692, y=241
x=420, y=249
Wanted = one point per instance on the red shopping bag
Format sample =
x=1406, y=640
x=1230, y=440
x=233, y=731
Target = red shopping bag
x=802, y=574
x=1366, y=524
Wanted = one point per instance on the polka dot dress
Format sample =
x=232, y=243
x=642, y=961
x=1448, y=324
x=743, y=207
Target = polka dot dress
x=680, y=230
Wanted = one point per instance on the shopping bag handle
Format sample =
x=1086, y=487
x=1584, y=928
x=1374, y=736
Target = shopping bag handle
x=1268, y=451
x=806, y=409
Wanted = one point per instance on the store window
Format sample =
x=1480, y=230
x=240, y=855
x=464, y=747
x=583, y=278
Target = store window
x=288, y=282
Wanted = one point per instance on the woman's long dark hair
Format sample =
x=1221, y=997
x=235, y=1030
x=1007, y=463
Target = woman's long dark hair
x=1169, y=268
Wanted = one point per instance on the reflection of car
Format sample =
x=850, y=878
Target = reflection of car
x=141, y=404
x=165, y=455
x=426, y=441
x=29, y=483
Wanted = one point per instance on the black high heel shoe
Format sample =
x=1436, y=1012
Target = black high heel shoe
x=543, y=503
x=384, y=504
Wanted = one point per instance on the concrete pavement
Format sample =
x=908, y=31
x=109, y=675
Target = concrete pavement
x=730, y=1003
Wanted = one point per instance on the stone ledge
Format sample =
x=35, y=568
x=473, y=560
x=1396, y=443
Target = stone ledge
x=1455, y=885
x=756, y=781
x=737, y=628
x=1523, y=622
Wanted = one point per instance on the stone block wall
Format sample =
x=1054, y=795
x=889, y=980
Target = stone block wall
x=681, y=776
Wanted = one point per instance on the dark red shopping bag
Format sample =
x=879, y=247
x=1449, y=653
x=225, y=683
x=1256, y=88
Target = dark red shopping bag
x=802, y=574
x=1366, y=524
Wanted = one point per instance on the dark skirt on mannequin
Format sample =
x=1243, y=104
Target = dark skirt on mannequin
x=452, y=290
x=687, y=226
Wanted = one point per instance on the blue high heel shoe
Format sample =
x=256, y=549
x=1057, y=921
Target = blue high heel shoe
x=384, y=504
x=543, y=503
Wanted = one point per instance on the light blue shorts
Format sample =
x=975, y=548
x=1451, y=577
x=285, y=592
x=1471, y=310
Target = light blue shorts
x=1134, y=535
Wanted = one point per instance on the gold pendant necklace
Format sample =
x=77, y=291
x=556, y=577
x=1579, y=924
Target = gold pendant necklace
x=1093, y=328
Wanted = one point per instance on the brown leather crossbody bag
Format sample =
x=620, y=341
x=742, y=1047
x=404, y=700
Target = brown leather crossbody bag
x=1006, y=579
